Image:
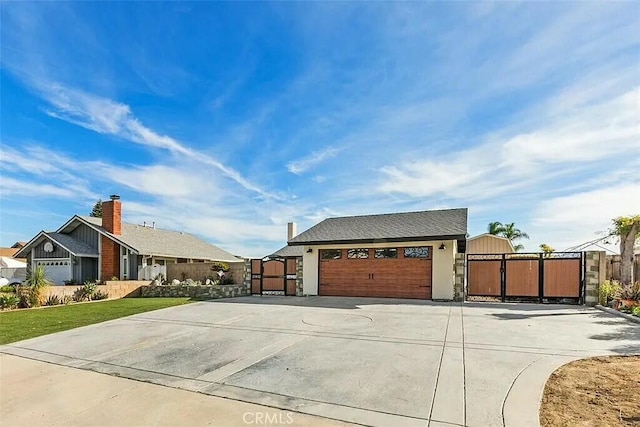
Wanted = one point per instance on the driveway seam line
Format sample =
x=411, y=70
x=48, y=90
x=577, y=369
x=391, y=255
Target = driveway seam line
x=504, y=400
x=435, y=388
x=464, y=370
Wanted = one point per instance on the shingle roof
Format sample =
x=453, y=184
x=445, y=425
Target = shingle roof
x=437, y=224
x=156, y=241
x=75, y=246
x=287, y=251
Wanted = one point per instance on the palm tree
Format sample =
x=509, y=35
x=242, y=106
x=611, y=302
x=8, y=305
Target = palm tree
x=495, y=228
x=512, y=233
x=509, y=231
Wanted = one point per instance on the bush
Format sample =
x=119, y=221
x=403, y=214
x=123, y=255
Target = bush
x=8, y=289
x=53, y=300
x=226, y=281
x=8, y=301
x=636, y=311
x=25, y=296
x=37, y=282
x=608, y=290
x=85, y=293
x=99, y=295
x=219, y=265
x=66, y=299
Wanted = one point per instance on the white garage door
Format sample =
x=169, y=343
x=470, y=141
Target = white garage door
x=57, y=271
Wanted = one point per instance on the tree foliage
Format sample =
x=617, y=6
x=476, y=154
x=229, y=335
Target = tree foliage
x=96, y=212
x=510, y=231
x=546, y=248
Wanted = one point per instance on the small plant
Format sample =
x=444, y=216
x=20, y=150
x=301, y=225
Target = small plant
x=636, y=311
x=219, y=265
x=608, y=291
x=53, y=300
x=114, y=278
x=24, y=295
x=629, y=292
x=8, y=289
x=226, y=281
x=66, y=299
x=37, y=281
x=159, y=279
x=191, y=282
x=99, y=295
x=8, y=301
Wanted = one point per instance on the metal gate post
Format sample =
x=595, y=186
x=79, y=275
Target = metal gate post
x=503, y=278
x=540, y=278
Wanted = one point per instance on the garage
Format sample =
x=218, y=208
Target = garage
x=413, y=255
x=56, y=270
x=393, y=272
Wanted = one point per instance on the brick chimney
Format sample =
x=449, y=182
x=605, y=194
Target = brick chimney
x=112, y=215
x=292, y=230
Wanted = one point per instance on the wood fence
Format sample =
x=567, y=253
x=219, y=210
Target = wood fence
x=613, y=267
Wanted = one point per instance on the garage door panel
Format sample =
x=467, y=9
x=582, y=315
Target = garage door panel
x=376, y=277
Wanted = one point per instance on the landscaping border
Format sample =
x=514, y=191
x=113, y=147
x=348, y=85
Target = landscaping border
x=618, y=313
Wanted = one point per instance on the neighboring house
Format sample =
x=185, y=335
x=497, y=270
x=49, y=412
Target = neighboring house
x=288, y=251
x=88, y=248
x=489, y=244
x=10, y=252
x=402, y=255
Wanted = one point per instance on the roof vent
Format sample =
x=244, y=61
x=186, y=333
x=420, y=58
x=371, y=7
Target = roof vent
x=114, y=197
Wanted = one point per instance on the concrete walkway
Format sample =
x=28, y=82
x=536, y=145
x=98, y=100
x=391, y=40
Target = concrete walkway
x=376, y=362
x=35, y=393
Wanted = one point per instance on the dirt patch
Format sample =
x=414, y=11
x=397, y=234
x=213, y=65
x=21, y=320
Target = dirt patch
x=601, y=391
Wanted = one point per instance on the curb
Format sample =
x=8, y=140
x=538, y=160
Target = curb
x=618, y=313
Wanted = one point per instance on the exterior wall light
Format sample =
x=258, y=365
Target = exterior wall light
x=309, y=250
x=442, y=247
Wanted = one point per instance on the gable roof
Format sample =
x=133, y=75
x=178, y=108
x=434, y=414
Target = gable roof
x=287, y=251
x=159, y=242
x=67, y=242
x=492, y=236
x=449, y=224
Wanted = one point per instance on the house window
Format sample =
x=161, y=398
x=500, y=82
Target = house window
x=330, y=253
x=418, y=252
x=358, y=253
x=125, y=263
x=386, y=253
x=182, y=261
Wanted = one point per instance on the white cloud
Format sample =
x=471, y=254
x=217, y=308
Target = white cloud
x=581, y=217
x=555, y=148
x=302, y=165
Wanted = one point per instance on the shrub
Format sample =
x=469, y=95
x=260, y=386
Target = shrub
x=8, y=289
x=608, y=290
x=636, y=311
x=159, y=279
x=219, y=265
x=37, y=281
x=25, y=296
x=66, y=299
x=226, y=281
x=53, y=300
x=98, y=295
x=8, y=301
x=629, y=292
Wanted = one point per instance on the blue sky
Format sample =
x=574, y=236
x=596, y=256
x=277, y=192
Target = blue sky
x=229, y=119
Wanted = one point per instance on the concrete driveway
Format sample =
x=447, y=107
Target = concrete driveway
x=369, y=361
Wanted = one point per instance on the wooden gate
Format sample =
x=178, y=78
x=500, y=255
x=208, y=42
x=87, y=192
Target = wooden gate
x=273, y=277
x=536, y=276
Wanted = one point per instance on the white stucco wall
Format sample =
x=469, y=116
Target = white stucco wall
x=442, y=268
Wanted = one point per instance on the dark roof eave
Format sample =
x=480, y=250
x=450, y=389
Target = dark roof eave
x=459, y=237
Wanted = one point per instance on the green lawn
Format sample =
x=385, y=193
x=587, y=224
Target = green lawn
x=23, y=324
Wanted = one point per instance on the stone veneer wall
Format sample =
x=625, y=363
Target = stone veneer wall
x=459, y=271
x=247, y=274
x=595, y=273
x=202, y=291
x=299, y=291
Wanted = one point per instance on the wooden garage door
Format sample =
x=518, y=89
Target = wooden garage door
x=388, y=273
